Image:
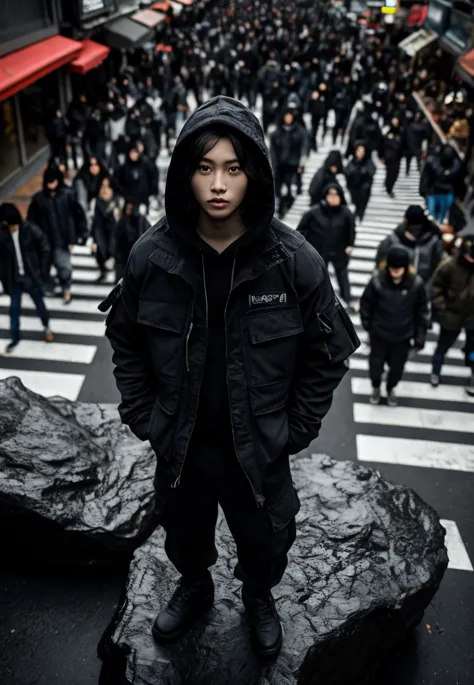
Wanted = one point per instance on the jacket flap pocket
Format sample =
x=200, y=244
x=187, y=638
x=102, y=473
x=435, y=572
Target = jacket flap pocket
x=285, y=508
x=272, y=325
x=168, y=316
x=343, y=340
x=267, y=398
x=168, y=396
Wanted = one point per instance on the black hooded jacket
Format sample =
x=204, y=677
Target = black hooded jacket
x=35, y=251
x=330, y=230
x=281, y=336
x=323, y=177
x=425, y=253
x=60, y=216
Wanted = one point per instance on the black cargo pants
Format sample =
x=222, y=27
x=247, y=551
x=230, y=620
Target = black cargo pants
x=190, y=517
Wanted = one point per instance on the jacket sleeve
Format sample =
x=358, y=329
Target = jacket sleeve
x=304, y=224
x=44, y=250
x=382, y=251
x=367, y=304
x=80, y=219
x=33, y=214
x=130, y=354
x=327, y=341
x=351, y=229
x=438, y=286
x=422, y=314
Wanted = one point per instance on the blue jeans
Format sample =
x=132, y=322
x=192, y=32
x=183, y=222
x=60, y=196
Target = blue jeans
x=15, y=307
x=439, y=205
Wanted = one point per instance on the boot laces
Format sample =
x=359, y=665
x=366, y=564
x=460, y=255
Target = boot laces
x=265, y=611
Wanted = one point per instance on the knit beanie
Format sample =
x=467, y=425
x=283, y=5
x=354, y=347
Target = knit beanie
x=398, y=257
x=415, y=215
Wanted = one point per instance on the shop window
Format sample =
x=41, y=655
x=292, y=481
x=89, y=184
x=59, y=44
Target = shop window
x=9, y=144
x=38, y=103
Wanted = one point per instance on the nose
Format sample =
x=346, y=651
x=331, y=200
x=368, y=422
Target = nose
x=218, y=184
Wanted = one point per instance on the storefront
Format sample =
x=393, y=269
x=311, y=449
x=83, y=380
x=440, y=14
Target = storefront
x=435, y=24
x=32, y=87
x=456, y=37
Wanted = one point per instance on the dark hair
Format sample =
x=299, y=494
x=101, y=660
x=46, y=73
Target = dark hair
x=9, y=214
x=251, y=159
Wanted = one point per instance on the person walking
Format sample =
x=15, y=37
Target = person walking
x=289, y=149
x=325, y=175
x=103, y=231
x=394, y=311
x=329, y=227
x=57, y=212
x=228, y=345
x=416, y=132
x=421, y=237
x=392, y=153
x=360, y=174
x=130, y=227
x=438, y=179
x=24, y=268
x=452, y=299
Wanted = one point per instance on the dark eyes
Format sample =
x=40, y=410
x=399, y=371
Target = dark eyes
x=205, y=169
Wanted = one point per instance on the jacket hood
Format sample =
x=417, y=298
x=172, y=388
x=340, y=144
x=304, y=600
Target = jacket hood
x=232, y=114
x=338, y=187
x=334, y=158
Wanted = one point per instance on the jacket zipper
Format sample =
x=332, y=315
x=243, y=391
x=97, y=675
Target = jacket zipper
x=188, y=335
x=178, y=479
x=260, y=500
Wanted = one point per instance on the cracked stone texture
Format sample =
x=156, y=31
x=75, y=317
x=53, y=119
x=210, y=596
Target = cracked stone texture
x=368, y=558
x=75, y=484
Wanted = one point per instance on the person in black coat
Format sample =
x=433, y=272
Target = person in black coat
x=24, y=268
x=318, y=107
x=416, y=132
x=288, y=147
x=132, y=179
x=394, y=311
x=329, y=227
x=103, y=231
x=131, y=226
x=365, y=128
x=331, y=167
x=422, y=239
x=57, y=131
x=88, y=181
x=57, y=212
x=94, y=138
x=438, y=179
x=343, y=102
x=393, y=150
x=228, y=345
x=360, y=174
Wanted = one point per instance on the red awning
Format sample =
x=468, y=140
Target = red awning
x=466, y=62
x=187, y=3
x=23, y=67
x=161, y=6
x=92, y=54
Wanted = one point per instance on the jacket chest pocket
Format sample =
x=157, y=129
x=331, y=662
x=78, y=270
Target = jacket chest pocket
x=273, y=344
x=165, y=325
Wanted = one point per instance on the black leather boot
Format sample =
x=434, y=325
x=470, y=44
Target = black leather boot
x=189, y=600
x=264, y=622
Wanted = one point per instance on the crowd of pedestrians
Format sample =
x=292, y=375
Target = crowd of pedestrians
x=304, y=62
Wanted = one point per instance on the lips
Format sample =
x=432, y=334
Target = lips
x=218, y=203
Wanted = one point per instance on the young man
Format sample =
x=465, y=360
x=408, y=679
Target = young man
x=228, y=345
x=329, y=227
x=452, y=297
x=24, y=267
x=57, y=212
x=360, y=174
x=394, y=311
x=289, y=148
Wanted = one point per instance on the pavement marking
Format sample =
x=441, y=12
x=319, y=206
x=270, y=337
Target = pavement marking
x=55, y=304
x=59, y=352
x=416, y=367
x=414, y=417
x=63, y=326
x=48, y=384
x=417, y=391
x=457, y=552
x=420, y=453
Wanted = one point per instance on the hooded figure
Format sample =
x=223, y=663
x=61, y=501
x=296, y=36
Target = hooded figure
x=393, y=147
x=24, y=268
x=57, y=212
x=326, y=174
x=130, y=227
x=422, y=239
x=452, y=299
x=329, y=227
x=103, y=231
x=289, y=147
x=228, y=344
x=438, y=179
x=133, y=179
x=360, y=174
x=394, y=311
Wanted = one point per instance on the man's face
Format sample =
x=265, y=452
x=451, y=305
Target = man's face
x=360, y=152
x=133, y=154
x=334, y=169
x=219, y=183
x=333, y=198
x=396, y=274
x=52, y=185
x=288, y=118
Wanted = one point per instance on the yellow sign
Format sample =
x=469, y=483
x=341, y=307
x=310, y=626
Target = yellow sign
x=390, y=7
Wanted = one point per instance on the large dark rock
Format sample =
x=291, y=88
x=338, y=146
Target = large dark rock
x=369, y=557
x=75, y=484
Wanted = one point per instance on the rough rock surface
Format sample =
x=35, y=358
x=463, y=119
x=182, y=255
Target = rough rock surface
x=369, y=557
x=75, y=484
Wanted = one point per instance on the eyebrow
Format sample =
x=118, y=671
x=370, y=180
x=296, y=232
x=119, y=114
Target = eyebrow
x=227, y=161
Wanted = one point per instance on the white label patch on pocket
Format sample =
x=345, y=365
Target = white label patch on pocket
x=267, y=298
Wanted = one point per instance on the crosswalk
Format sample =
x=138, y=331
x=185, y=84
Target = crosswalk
x=431, y=428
